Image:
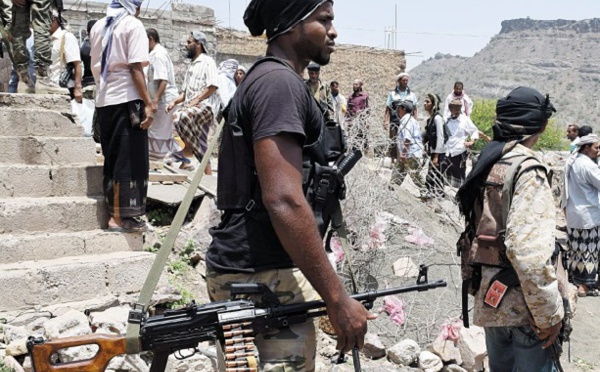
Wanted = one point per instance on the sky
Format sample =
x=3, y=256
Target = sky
x=423, y=27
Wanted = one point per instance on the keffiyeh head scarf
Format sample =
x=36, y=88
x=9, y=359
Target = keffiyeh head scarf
x=116, y=11
x=585, y=140
x=228, y=68
x=277, y=17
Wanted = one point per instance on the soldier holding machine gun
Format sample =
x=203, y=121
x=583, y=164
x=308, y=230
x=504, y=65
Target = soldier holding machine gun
x=269, y=232
x=281, y=176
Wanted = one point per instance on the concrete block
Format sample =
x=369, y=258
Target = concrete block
x=54, y=102
x=49, y=151
x=46, y=246
x=44, y=283
x=19, y=121
x=60, y=214
x=47, y=180
x=129, y=274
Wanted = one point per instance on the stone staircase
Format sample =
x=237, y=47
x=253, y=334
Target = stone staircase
x=53, y=250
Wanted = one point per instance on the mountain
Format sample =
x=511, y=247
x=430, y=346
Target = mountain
x=560, y=57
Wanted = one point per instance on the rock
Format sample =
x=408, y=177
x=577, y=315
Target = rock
x=196, y=362
x=12, y=333
x=430, y=362
x=12, y=364
x=404, y=267
x=446, y=350
x=112, y=320
x=131, y=363
x=404, y=353
x=71, y=323
x=17, y=347
x=373, y=348
x=472, y=347
x=166, y=294
x=454, y=368
x=345, y=367
x=27, y=364
x=36, y=327
x=326, y=345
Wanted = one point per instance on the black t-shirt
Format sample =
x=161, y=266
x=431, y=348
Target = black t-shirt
x=84, y=51
x=271, y=100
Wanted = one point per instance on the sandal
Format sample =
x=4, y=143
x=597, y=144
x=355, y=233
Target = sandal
x=589, y=293
x=129, y=225
x=178, y=156
x=187, y=166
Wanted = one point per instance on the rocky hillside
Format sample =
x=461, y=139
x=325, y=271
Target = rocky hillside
x=559, y=57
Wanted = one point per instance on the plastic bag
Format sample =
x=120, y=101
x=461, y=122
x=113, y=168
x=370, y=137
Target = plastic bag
x=85, y=112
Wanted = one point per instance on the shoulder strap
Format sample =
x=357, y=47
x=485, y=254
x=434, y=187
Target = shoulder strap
x=512, y=175
x=62, y=47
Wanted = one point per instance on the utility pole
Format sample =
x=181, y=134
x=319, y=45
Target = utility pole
x=391, y=33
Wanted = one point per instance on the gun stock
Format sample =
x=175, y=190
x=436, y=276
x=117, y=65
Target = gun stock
x=109, y=346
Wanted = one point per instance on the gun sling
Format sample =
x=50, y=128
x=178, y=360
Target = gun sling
x=141, y=307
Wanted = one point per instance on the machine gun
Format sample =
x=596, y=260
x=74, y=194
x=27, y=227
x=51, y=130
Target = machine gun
x=233, y=323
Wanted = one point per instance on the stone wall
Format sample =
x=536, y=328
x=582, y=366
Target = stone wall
x=173, y=26
x=376, y=67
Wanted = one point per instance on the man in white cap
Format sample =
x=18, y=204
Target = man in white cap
x=582, y=209
x=459, y=94
x=200, y=103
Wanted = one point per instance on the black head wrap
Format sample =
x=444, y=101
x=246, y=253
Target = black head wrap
x=523, y=112
x=277, y=16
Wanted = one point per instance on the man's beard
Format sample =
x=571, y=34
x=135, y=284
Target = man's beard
x=190, y=53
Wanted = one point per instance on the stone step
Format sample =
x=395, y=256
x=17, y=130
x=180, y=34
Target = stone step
x=44, y=246
x=55, y=214
x=56, y=102
x=50, y=180
x=44, y=150
x=32, y=284
x=37, y=122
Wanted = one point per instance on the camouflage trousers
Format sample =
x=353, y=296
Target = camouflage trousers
x=36, y=15
x=286, y=349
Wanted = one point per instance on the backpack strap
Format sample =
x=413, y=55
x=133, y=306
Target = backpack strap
x=508, y=188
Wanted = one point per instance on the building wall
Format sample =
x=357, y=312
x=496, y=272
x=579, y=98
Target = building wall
x=377, y=68
x=173, y=26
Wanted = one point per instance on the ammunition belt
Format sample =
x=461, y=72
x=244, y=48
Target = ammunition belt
x=238, y=348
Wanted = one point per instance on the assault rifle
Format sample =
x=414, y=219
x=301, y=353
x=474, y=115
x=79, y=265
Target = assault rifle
x=183, y=329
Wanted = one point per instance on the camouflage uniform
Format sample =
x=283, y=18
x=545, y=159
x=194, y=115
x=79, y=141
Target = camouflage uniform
x=6, y=13
x=36, y=14
x=529, y=245
x=512, y=344
x=325, y=99
x=282, y=350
